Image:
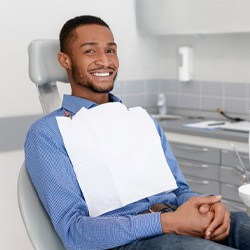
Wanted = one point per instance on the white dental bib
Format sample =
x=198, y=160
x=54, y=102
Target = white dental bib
x=117, y=156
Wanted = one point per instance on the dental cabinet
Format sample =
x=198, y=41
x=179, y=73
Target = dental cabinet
x=200, y=165
x=210, y=166
x=231, y=177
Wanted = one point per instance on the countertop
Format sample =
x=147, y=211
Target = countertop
x=176, y=126
x=216, y=138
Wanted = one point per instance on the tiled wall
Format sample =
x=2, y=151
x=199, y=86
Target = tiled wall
x=208, y=96
x=139, y=93
x=194, y=95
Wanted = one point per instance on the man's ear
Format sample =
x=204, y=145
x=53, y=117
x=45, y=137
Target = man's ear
x=64, y=60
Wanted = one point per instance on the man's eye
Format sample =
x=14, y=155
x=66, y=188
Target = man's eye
x=111, y=51
x=89, y=51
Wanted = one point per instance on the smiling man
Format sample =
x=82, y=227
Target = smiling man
x=90, y=57
x=173, y=219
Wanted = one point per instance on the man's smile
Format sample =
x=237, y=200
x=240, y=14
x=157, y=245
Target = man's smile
x=102, y=74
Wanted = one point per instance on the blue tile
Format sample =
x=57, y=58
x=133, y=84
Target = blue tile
x=134, y=100
x=173, y=100
x=151, y=100
x=211, y=103
x=190, y=102
x=133, y=87
x=236, y=90
x=169, y=86
x=212, y=89
x=236, y=105
x=191, y=88
x=152, y=86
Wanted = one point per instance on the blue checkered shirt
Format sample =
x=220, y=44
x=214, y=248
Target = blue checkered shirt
x=52, y=174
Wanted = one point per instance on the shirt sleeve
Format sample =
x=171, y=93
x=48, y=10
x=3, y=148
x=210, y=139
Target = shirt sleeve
x=52, y=174
x=183, y=192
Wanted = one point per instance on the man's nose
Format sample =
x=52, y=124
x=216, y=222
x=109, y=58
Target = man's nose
x=103, y=60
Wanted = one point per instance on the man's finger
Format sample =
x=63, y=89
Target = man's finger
x=221, y=215
x=223, y=229
x=221, y=236
x=204, y=208
x=206, y=200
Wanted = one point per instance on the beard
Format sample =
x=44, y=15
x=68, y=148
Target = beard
x=86, y=82
x=99, y=89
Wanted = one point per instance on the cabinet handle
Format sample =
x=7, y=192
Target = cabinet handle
x=191, y=148
x=194, y=165
x=197, y=182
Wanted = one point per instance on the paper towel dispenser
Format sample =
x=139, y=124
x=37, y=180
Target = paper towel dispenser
x=173, y=17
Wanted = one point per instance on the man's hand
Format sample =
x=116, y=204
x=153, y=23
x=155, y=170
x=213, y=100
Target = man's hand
x=220, y=225
x=188, y=220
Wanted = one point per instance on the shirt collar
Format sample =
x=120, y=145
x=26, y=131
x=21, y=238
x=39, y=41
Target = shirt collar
x=73, y=103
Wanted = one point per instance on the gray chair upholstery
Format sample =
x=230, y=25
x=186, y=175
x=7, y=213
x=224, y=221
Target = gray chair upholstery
x=43, y=64
x=37, y=223
x=45, y=71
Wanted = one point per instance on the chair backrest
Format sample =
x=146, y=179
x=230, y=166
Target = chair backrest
x=44, y=71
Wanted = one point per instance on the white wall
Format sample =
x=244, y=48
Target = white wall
x=23, y=21
x=223, y=58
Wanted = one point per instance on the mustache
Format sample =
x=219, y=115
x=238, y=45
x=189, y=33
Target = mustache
x=103, y=67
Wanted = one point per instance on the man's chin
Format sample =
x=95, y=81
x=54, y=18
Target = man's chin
x=103, y=90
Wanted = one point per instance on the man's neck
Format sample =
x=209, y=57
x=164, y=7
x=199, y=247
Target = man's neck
x=99, y=98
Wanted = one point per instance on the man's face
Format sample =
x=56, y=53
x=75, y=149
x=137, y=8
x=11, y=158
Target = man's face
x=94, y=61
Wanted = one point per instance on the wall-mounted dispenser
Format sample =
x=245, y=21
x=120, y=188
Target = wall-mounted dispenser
x=185, y=71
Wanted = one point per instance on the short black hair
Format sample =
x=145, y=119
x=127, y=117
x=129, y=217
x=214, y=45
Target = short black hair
x=67, y=30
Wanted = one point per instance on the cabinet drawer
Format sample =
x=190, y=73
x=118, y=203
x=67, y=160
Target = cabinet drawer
x=234, y=206
x=229, y=158
x=230, y=192
x=199, y=169
x=230, y=175
x=191, y=152
x=202, y=185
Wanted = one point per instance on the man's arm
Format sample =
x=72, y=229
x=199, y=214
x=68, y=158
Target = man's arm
x=54, y=179
x=220, y=225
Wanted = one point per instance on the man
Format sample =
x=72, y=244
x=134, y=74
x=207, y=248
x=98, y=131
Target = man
x=89, y=55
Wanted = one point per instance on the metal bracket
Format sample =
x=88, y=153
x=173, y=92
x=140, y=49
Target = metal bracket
x=49, y=97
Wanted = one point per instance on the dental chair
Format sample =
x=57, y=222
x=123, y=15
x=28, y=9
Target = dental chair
x=45, y=71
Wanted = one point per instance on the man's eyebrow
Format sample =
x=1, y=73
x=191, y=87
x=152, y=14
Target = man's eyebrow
x=88, y=43
x=95, y=43
x=112, y=44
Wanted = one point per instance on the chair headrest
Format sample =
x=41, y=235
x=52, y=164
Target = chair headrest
x=43, y=64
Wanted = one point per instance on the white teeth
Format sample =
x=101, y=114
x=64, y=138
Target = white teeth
x=101, y=74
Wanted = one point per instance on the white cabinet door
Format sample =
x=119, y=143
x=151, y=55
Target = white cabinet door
x=173, y=17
